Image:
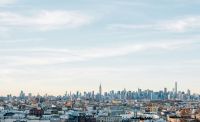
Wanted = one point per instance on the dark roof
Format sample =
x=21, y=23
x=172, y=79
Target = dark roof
x=9, y=114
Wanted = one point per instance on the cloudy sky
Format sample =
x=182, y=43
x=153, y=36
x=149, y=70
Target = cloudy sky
x=53, y=46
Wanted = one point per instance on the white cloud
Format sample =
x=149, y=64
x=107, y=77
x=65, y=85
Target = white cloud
x=195, y=62
x=181, y=25
x=177, y=25
x=44, y=20
x=45, y=56
x=4, y=2
x=129, y=26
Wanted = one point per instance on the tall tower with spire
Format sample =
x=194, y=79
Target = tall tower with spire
x=175, y=89
x=100, y=91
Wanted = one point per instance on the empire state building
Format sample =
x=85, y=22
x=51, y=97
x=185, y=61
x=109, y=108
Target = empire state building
x=100, y=91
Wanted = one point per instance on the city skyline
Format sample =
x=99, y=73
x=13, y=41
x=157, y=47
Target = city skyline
x=50, y=47
x=173, y=89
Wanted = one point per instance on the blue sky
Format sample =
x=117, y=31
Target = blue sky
x=53, y=46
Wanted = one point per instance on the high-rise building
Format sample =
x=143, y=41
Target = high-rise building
x=93, y=95
x=165, y=90
x=29, y=96
x=22, y=95
x=188, y=92
x=175, y=88
x=165, y=93
x=100, y=90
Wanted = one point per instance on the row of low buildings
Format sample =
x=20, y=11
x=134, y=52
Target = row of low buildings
x=120, y=106
x=85, y=110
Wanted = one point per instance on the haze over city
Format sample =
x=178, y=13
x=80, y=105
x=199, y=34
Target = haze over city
x=52, y=46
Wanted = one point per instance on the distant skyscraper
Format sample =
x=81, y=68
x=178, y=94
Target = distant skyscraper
x=66, y=93
x=188, y=92
x=165, y=90
x=165, y=93
x=175, y=88
x=93, y=95
x=21, y=95
x=100, y=90
x=29, y=96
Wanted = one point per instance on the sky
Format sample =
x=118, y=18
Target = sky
x=53, y=46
